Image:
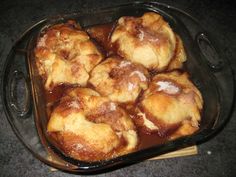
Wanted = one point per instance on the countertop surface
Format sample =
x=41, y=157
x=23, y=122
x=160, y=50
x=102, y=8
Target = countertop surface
x=215, y=158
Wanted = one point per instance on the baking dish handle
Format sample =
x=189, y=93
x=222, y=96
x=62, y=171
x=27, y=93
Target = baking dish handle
x=224, y=78
x=209, y=52
x=18, y=94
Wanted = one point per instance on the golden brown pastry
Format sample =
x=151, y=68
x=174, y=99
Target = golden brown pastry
x=65, y=54
x=148, y=40
x=171, y=104
x=90, y=127
x=118, y=79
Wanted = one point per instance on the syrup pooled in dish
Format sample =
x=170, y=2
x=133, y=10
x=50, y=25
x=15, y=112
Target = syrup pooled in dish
x=148, y=40
x=171, y=104
x=91, y=127
x=101, y=108
x=65, y=54
x=120, y=80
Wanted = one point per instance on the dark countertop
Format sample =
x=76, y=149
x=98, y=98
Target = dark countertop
x=216, y=157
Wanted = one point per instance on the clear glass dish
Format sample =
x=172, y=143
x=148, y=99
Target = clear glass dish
x=206, y=64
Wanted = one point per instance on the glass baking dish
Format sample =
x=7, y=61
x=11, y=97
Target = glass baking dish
x=23, y=100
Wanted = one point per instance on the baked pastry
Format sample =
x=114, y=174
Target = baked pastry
x=90, y=127
x=147, y=40
x=171, y=104
x=65, y=55
x=120, y=80
x=132, y=100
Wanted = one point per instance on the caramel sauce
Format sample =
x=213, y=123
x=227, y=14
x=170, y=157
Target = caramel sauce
x=147, y=140
x=101, y=35
x=55, y=94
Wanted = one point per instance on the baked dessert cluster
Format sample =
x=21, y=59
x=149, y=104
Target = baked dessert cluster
x=123, y=80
